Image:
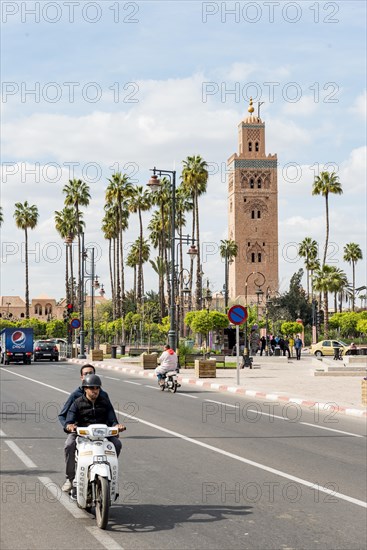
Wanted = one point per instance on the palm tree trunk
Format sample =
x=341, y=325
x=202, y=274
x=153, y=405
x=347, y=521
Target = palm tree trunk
x=198, y=265
x=354, y=284
x=327, y=229
x=118, y=286
x=26, y=276
x=140, y=265
x=122, y=273
x=67, y=290
x=192, y=258
x=326, y=315
x=110, y=266
x=72, y=289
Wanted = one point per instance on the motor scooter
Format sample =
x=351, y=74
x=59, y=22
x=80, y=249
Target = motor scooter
x=170, y=381
x=96, y=470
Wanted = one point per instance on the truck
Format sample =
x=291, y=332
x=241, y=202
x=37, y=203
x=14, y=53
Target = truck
x=16, y=345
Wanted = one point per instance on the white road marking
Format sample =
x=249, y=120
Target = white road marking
x=112, y=378
x=104, y=539
x=135, y=383
x=331, y=429
x=152, y=387
x=187, y=395
x=22, y=456
x=227, y=454
x=63, y=498
x=2, y=434
x=250, y=462
x=286, y=419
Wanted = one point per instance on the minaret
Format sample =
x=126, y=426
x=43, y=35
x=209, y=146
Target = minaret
x=253, y=213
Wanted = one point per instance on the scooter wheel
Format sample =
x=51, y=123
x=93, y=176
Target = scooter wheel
x=174, y=387
x=162, y=387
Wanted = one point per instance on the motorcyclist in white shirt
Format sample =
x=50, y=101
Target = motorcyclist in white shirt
x=167, y=361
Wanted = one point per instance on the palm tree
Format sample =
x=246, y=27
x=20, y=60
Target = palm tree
x=77, y=194
x=66, y=225
x=353, y=253
x=194, y=180
x=140, y=201
x=26, y=217
x=158, y=237
x=118, y=193
x=228, y=250
x=324, y=282
x=110, y=232
x=324, y=184
x=313, y=265
x=308, y=249
x=339, y=284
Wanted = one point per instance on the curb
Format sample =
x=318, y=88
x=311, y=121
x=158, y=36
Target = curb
x=229, y=389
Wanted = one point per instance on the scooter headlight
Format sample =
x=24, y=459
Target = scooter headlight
x=99, y=458
x=99, y=432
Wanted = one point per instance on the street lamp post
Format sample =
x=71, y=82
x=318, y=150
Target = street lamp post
x=94, y=284
x=154, y=184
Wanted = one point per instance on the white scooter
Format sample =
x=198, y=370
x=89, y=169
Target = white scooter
x=170, y=381
x=96, y=470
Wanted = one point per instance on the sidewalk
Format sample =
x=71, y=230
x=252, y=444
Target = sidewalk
x=271, y=379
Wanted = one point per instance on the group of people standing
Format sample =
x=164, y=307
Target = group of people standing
x=287, y=346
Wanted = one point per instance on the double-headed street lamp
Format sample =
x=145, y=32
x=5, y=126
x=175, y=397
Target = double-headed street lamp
x=154, y=184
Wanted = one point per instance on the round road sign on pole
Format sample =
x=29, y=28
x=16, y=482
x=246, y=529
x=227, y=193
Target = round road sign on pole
x=75, y=323
x=237, y=314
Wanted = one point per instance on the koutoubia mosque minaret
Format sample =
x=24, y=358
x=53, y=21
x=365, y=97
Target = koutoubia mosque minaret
x=253, y=213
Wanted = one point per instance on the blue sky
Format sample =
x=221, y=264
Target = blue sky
x=154, y=87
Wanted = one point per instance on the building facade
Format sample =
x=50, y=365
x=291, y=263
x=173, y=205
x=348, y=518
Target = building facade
x=253, y=214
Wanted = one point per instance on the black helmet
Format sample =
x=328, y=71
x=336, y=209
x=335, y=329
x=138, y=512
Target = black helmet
x=91, y=380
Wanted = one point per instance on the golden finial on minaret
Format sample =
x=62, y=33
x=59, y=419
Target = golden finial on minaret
x=251, y=108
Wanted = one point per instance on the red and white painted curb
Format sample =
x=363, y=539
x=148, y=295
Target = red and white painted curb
x=230, y=389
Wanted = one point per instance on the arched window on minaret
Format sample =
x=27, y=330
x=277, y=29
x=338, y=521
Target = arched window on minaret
x=253, y=257
x=250, y=146
x=259, y=214
x=253, y=214
x=259, y=257
x=257, y=146
x=259, y=183
x=252, y=183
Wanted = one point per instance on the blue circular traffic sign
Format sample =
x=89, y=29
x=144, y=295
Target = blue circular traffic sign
x=75, y=323
x=237, y=314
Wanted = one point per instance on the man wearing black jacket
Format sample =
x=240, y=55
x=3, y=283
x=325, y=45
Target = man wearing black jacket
x=89, y=408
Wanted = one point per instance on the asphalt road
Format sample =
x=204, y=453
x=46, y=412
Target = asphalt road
x=198, y=470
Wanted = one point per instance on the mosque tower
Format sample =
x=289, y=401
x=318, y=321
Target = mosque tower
x=253, y=214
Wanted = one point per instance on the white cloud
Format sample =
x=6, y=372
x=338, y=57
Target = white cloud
x=359, y=106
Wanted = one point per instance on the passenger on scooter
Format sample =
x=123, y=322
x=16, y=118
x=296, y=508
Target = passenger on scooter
x=167, y=361
x=69, y=447
x=90, y=408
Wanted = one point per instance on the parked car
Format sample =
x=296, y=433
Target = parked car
x=326, y=347
x=45, y=349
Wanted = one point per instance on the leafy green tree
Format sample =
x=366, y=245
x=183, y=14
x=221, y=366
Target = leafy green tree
x=289, y=328
x=362, y=326
x=293, y=303
x=26, y=217
x=353, y=253
x=56, y=329
x=325, y=184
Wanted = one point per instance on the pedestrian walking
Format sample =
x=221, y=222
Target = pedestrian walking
x=298, y=344
x=263, y=344
x=291, y=345
x=286, y=348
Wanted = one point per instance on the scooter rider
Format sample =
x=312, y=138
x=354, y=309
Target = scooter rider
x=167, y=361
x=69, y=447
x=90, y=408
